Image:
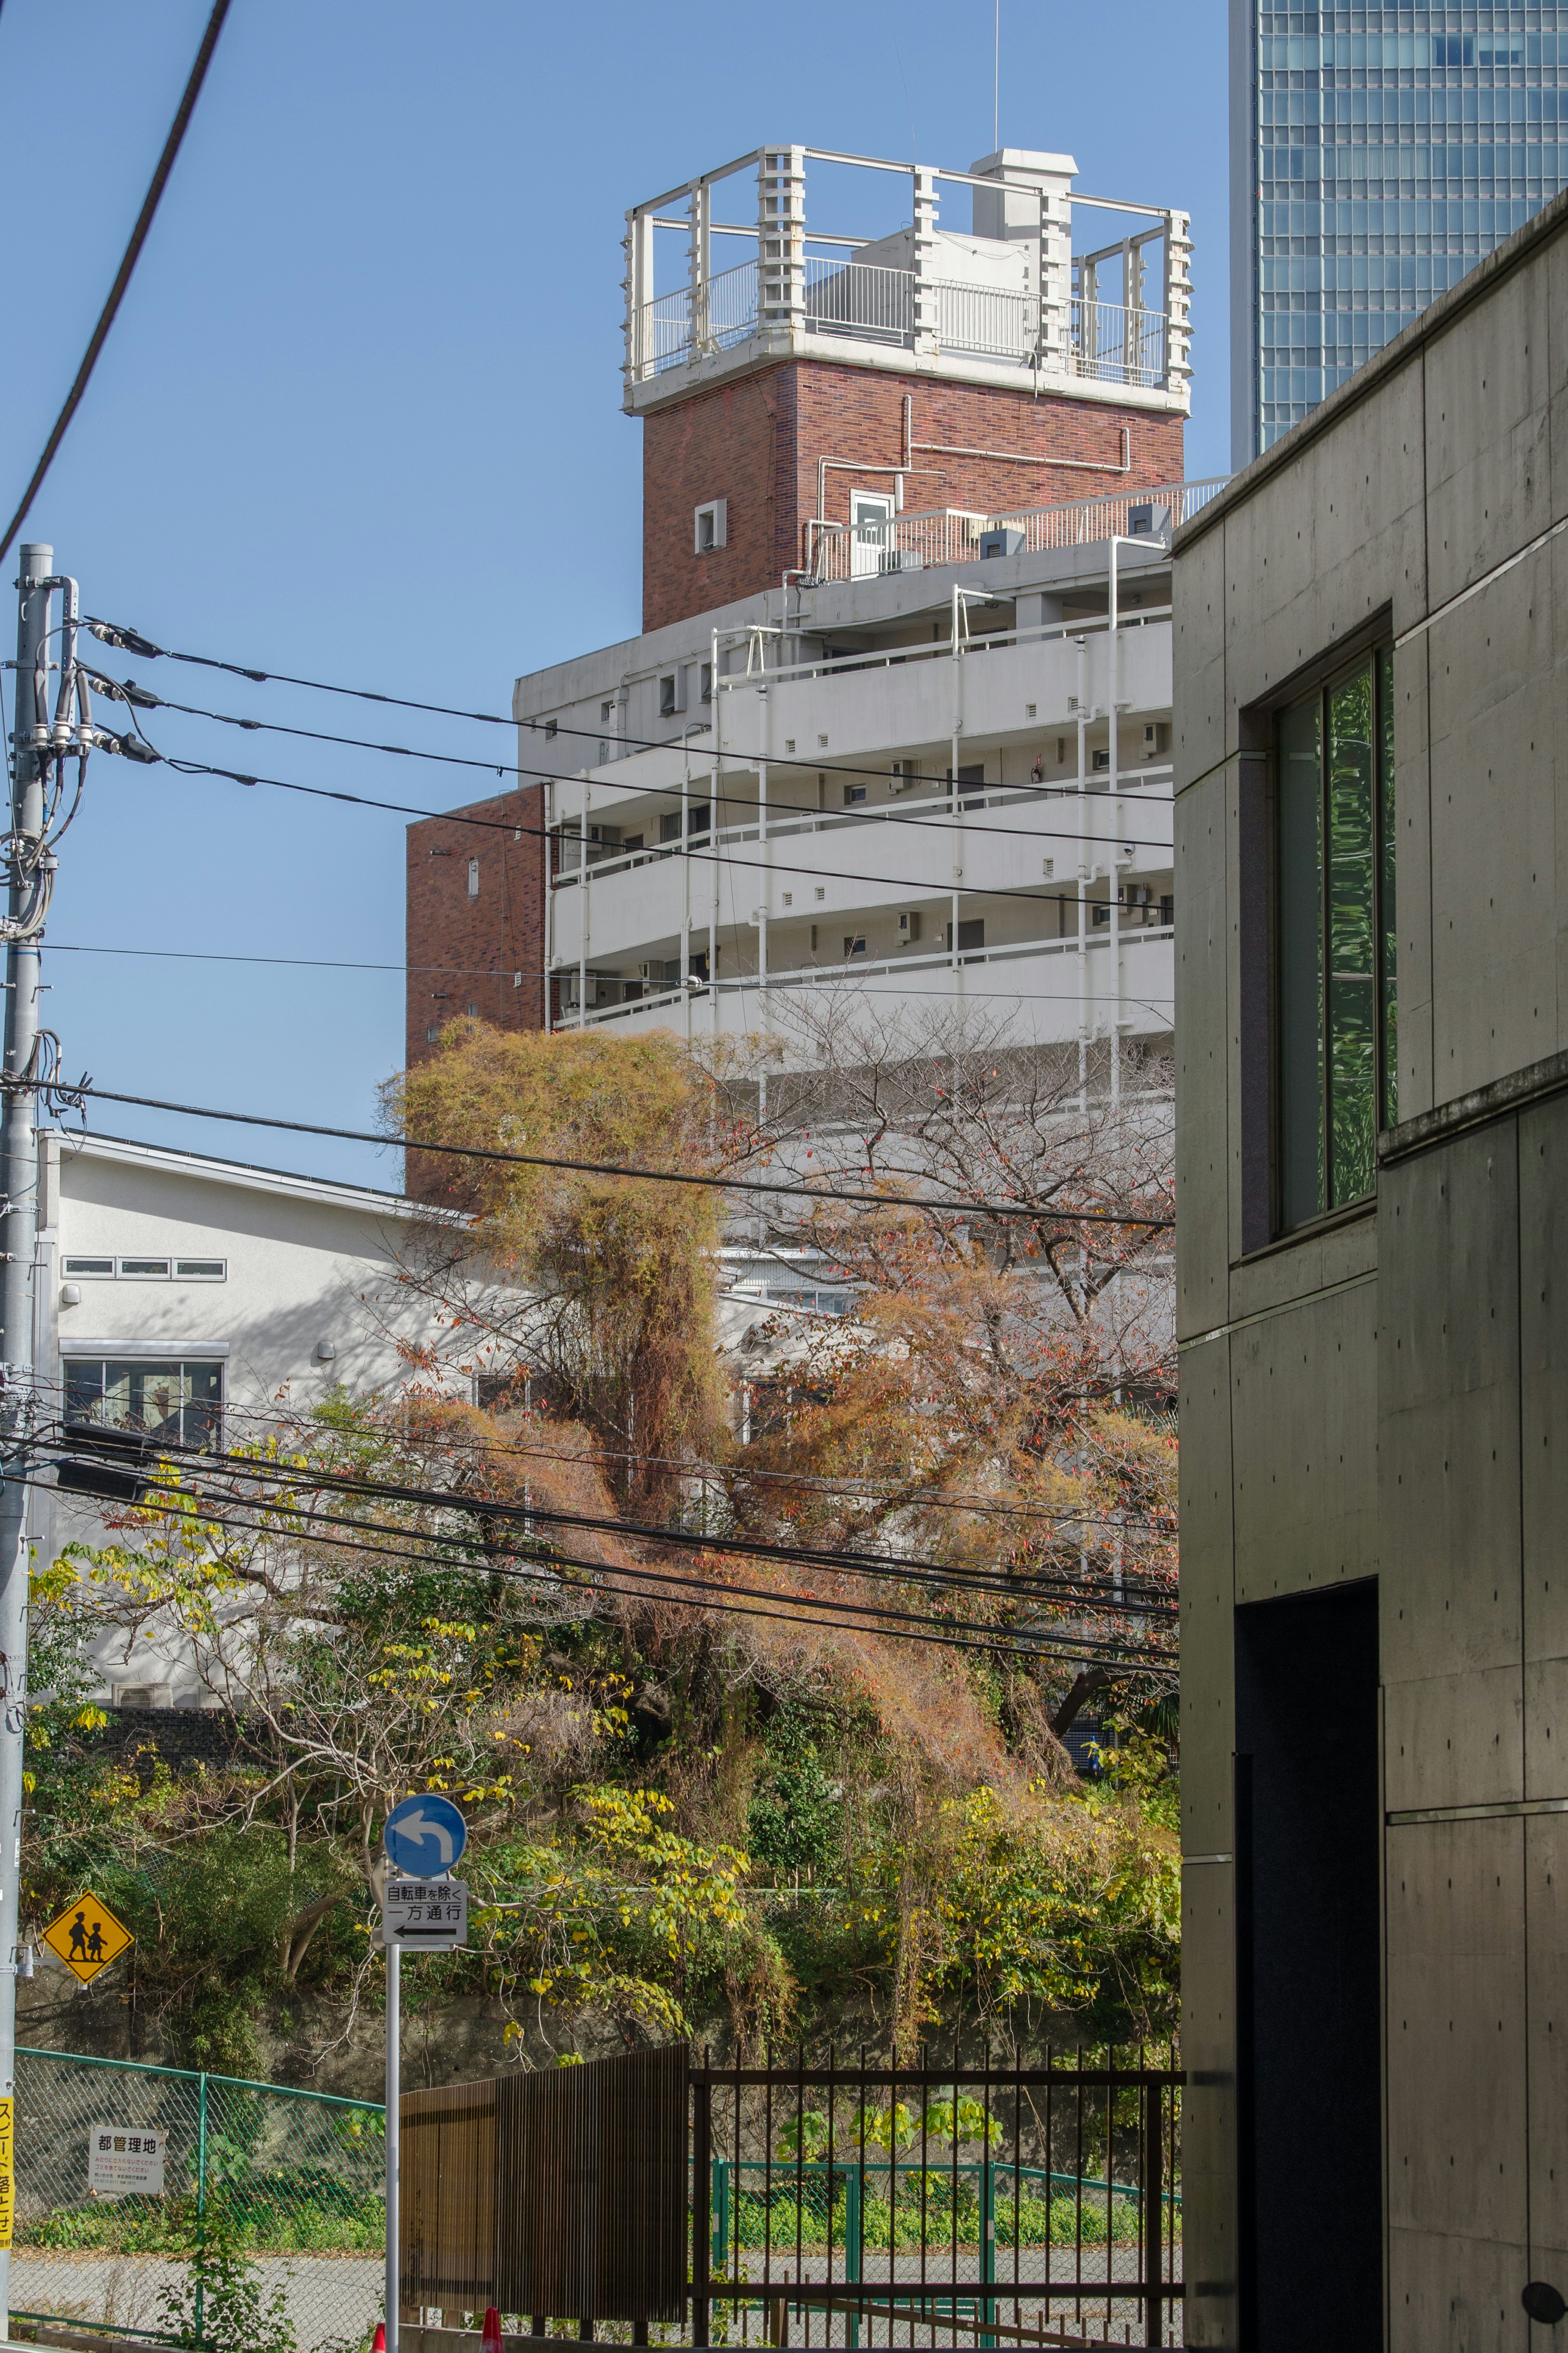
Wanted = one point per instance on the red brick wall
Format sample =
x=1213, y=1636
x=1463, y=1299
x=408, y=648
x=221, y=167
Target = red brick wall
x=757, y=442
x=463, y=951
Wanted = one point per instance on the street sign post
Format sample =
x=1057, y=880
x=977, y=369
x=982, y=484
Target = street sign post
x=423, y=1839
x=87, y=1937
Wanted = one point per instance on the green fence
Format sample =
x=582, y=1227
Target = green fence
x=295, y=2179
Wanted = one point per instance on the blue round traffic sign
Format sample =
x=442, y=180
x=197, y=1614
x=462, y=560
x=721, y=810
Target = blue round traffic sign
x=424, y=1837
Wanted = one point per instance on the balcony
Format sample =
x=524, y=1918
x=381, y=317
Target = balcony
x=1007, y=296
x=915, y=543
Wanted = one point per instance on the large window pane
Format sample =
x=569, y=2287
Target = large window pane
x=172, y=1403
x=1387, y=914
x=1300, y=962
x=1353, y=943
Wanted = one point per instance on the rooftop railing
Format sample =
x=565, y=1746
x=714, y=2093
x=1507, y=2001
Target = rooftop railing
x=914, y=542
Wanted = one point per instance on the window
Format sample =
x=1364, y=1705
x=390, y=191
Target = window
x=710, y=526
x=1336, y=1004
x=852, y=794
x=606, y=713
x=149, y=1269
x=971, y=935
x=177, y=1402
x=855, y=946
x=431, y=1037
x=672, y=693
x=707, y=676
x=473, y=1012
x=551, y=729
x=473, y=878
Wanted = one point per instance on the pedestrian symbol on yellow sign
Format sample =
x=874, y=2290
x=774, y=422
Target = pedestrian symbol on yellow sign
x=87, y=1937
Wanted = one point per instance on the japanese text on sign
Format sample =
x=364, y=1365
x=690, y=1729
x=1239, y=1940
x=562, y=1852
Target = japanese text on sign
x=121, y=2161
x=432, y=1913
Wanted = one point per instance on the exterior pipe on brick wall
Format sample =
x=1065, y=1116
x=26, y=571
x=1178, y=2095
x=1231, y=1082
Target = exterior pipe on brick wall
x=1002, y=457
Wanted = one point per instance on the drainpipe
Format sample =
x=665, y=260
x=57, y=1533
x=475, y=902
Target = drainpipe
x=585, y=892
x=713, y=849
x=1114, y=844
x=1083, y=875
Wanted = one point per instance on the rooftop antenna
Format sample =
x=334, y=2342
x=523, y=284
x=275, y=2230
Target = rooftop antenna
x=996, y=86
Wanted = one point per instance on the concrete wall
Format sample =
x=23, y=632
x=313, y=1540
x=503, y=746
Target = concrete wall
x=1381, y=1396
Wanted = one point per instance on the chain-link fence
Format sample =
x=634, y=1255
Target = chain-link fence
x=292, y=2183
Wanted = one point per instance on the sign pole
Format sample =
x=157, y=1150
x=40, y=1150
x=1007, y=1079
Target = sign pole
x=393, y=2001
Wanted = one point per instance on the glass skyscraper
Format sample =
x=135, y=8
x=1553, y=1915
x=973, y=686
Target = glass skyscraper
x=1376, y=154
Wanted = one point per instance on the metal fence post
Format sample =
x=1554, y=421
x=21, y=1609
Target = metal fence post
x=701, y=2200
x=201, y=2200
x=854, y=2241
x=987, y=2235
x=1153, y=2211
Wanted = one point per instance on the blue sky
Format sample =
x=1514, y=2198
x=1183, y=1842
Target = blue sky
x=360, y=417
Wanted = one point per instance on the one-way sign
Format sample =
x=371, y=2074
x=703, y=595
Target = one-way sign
x=428, y=1915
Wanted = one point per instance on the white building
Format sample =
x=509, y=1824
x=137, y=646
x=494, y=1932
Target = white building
x=189, y=1297
x=908, y=488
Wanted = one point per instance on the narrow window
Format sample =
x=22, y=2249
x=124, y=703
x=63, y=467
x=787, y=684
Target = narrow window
x=473, y=878
x=1337, y=1068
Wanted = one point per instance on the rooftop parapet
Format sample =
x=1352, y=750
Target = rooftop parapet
x=1005, y=300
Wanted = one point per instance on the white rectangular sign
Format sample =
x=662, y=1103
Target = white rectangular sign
x=121, y=2159
x=428, y=1915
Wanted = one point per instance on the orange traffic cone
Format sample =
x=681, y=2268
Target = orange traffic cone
x=490, y=2335
x=378, y=2342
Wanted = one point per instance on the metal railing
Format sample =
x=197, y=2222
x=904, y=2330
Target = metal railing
x=952, y=534
x=1107, y=341
x=295, y=2179
x=849, y=2204
x=1116, y=346
x=1135, y=931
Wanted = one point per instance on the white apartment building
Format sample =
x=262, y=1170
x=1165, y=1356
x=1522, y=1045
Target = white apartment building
x=899, y=717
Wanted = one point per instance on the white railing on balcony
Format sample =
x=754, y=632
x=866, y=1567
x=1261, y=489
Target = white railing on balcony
x=992, y=320
x=855, y=297
x=1108, y=342
x=1117, y=345
x=913, y=542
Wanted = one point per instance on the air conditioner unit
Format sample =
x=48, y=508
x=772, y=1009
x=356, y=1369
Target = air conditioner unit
x=909, y=925
x=1148, y=521
x=902, y=780
x=1001, y=542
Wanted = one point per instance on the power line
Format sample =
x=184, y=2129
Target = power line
x=984, y=1506
x=143, y=699
x=139, y=235
x=837, y=1560
x=505, y=972
x=131, y=640
x=608, y=1169
x=822, y=1612
x=707, y=857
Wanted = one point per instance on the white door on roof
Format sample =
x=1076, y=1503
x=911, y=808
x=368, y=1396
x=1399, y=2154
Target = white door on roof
x=871, y=531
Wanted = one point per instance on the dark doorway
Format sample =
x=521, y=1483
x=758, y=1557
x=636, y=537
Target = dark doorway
x=1309, y=2102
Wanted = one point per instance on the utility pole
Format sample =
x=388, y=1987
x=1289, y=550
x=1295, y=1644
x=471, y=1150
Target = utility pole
x=18, y=1202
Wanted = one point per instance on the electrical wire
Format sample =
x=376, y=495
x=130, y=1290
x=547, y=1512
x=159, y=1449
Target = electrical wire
x=820, y=1611
x=707, y=857
x=133, y=640
x=757, y=1185
x=139, y=235
x=785, y=811
x=840, y=1561
x=488, y=972
x=983, y=1506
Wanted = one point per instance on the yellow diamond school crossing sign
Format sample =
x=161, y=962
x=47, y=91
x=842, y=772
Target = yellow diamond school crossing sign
x=87, y=1937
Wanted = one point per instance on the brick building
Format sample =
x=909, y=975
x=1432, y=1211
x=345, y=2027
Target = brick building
x=867, y=458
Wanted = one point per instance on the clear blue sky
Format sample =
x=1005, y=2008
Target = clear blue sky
x=361, y=417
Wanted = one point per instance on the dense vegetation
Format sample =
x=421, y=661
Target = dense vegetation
x=685, y=1817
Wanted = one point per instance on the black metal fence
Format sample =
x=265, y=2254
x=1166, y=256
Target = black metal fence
x=880, y=2204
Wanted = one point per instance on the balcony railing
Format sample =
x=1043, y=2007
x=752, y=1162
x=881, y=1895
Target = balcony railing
x=1108, y=342
x=912, y=543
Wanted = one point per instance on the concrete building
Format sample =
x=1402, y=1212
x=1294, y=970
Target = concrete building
x=1372, y=1266
x=907, y=499
x=191, y=1297
x=1376, y=154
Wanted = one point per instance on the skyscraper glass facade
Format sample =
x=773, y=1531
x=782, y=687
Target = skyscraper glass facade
x=1377, y=154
